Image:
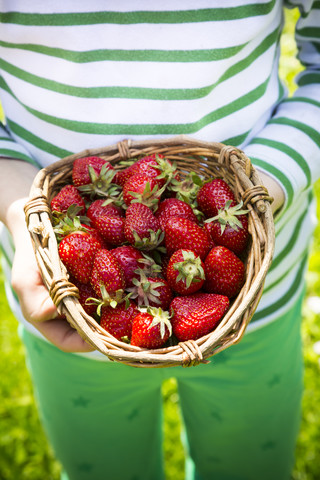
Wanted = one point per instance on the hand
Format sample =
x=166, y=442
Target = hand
x=36, y=304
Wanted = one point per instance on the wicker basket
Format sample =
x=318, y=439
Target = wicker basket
x=207, y=159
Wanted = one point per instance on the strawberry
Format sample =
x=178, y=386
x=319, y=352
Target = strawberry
x=67, y=196
x=128, y=257
x=97, y=235
x=185, y=272
x=173, y=207
x=107, y=273
x=96, y=181
x=118, y=320
x=142, y=228
x=230, y=228
x=81, y=171
x=142, y=189
x=213, y=196
x=224, y=271
x=151, y=291
x=181, y=233
x=86, y=292
x=151, y=166
x=132, y=261
x=186, y=189
x=196, y=315
x=151, y=328
x=69, y=224
x=112, y=229
x=207, y=228
x=77, y=251
x=98, y=208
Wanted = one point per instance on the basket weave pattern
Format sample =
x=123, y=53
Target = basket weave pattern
x=207, y=159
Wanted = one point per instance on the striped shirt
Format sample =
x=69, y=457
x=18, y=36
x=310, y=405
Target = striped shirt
x=77, y=75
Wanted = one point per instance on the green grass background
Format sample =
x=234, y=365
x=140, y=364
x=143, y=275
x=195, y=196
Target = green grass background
x=24, y=451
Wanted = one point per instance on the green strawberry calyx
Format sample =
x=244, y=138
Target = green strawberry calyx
x=167, y=169
x=145, y=291
x=68, y=222
x=190, y=270
x=109, y=299
x=149, y=197
x=161, y=318
x=149, y=243
x=149, y=266
x=229, y=216
x=101, y=185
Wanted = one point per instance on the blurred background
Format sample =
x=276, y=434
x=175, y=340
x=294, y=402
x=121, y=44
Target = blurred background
x=24, y=451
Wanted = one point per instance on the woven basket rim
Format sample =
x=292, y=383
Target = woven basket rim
x=233, y=162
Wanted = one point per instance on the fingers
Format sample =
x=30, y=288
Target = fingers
x=59, y=332
x=37, y=306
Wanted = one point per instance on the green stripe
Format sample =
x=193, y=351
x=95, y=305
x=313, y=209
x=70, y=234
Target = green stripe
x=14, y=154
x=286, y=297
x=303, y=13
x=125, y=18
x=311, y=132
x=310, y=101
x=290, y=243
x=135, y=92
x=308, y=78
x=203, y=55
x=38, y=142
x=283, y=147
x=6, y=139
x=309, y=32
x=237, y=140
x=148, y=129
x=285, y=273
x=283, y=179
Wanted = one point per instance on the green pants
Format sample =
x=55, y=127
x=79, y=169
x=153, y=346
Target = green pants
x=241, y=412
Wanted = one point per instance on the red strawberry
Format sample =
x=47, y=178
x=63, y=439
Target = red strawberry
x=112, y=229
x=151, y=329
x=213, y=196
x=118, y=320
x=207, y=228
x=142, y=189
x=107, y=273
x=230, y=228
x=80, y=170
x=185, y=272
x=142, y=228
x=95, y=178
x=97, y=235
x=150, y=166
x=172, y=207
x=151, y=291
x=225, y=272
x=77, y=251
x=98, y=209
x=128, y=257
x=181, y=233
x=66, y=197
x=85, y=292
x=196, y=315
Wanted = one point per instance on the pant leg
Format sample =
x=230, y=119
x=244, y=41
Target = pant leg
x=103, y=420
x=242, y=411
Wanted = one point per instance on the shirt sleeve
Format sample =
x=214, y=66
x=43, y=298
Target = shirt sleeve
x=9, y=148
x=288, y=147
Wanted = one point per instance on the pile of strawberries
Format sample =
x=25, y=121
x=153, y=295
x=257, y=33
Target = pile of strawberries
x=156, y=258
